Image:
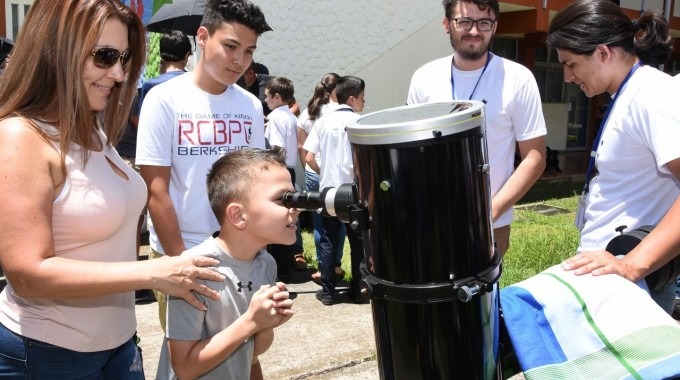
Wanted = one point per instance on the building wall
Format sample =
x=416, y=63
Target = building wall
x=381, y=42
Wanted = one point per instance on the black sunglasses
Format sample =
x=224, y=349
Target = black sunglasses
x=106, y=57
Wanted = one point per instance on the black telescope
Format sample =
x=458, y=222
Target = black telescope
x=421, y=200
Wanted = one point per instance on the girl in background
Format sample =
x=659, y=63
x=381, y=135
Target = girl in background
x=323, y=101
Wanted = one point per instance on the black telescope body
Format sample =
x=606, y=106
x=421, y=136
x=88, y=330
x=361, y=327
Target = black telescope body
x=422, y=202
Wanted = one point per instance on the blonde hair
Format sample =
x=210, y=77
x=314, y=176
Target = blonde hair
x=45, y=80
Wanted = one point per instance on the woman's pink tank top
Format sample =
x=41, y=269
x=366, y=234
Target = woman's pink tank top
x=94, y=219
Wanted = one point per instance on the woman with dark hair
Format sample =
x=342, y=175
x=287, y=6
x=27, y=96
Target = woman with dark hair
x=634, y=176
x=69, y=219
x=323, y=101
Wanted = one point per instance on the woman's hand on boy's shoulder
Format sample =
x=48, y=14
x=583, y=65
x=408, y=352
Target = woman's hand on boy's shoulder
x=180, y=276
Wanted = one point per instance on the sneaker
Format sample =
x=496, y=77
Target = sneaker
x=326, y=299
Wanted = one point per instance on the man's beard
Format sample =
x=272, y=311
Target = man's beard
x=463, y=51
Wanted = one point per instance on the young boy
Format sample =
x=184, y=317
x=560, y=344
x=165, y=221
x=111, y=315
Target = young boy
x=329, y=139
x=245, y=189
x=281, y=131
x=282, y=125
x=189, y=121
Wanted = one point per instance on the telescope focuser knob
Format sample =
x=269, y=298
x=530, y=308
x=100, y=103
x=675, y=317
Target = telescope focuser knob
x=467, y=292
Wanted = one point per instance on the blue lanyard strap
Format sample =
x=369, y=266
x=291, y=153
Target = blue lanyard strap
x=453, y=92
x=596, y=142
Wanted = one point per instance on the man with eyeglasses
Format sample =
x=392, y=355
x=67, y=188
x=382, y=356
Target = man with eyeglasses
x=513, y=105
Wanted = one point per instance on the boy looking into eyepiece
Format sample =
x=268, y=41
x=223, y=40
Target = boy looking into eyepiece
x=245, y=189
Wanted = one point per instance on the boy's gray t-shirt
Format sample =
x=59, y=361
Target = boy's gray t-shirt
x=185, y=322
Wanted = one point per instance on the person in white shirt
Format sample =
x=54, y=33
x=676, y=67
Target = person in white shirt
x=328, y=138
x=513, y=111
x=636, y=156
x=323, y=101
x=281, y=131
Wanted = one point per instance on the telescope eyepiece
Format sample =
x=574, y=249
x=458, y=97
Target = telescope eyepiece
x=331, y=201
x=303, y=200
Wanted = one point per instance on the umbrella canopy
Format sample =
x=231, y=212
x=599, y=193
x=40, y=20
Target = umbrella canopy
x=182, y=15
x=6, y=46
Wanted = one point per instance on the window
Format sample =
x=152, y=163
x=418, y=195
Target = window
x=504, y=47
x=15, y=12
x=673, y=67
x=549, y=75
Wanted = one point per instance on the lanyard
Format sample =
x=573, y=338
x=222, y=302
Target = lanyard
x=453, y=93
x=596, y=142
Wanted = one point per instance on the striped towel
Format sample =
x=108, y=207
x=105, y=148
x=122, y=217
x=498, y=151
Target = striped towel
x=564, y=326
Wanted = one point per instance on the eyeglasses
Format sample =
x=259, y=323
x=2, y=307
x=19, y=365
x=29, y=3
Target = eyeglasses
x=465, y=23
x=106, y=57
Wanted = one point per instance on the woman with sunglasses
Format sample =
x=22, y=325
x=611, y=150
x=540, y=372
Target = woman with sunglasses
x=635, y=171
x=69, y=217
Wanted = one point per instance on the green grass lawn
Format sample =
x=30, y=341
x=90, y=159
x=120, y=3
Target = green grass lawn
x=537, y=241
x=540, y=241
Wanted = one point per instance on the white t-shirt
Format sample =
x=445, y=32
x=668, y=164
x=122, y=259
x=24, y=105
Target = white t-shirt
x=513, y=110
x=329, y=139
x=642, y=134
x=183, y=127
x=282, y=131
x=306, y=124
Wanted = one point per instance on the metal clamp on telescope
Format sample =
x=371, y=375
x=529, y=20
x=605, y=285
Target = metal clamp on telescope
x=341, y=202
x=463, y=290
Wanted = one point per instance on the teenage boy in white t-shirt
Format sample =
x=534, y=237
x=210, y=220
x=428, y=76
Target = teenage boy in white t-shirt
x=190, y=121
x=281, y=132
